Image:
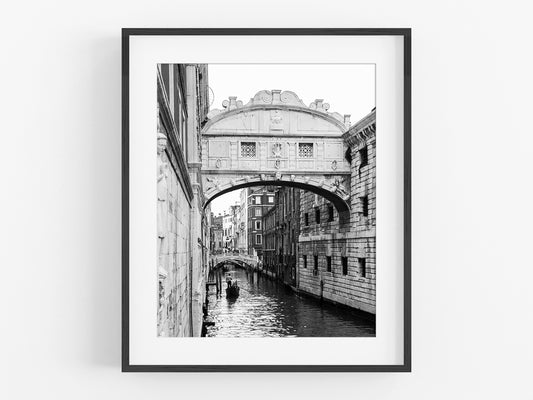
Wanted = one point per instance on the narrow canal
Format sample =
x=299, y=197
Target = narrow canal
x=266, y=308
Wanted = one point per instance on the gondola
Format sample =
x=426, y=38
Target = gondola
x=232, y=291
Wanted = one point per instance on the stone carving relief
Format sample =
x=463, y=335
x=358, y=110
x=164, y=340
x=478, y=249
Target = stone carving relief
x=276, y=150
x=319, y=105
x=215, y=184
x=232, y=103
x=338, y=186
x=276, y=120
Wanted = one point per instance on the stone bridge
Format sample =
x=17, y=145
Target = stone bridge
x=275, y=139
x=242, y=260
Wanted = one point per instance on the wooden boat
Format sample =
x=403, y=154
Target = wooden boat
x=232, y=292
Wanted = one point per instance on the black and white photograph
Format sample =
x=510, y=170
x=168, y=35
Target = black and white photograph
x=266, y=200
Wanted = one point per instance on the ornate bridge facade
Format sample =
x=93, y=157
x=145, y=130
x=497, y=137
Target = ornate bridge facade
x=275, y=139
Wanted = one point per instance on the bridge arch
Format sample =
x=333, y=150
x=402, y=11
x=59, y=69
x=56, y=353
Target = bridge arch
x=276, y=140
x=328, y=191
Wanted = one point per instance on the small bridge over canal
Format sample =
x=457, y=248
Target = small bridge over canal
x=216, y=261
x=240, y=260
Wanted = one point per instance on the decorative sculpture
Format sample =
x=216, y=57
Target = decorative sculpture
x=338, y=187
x=214, y=181
x=276, y=150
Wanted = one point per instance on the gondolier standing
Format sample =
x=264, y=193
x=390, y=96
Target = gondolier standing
x=228, y=279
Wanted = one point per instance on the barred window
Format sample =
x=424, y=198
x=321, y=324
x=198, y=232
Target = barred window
x=248, y=149
x=305, y=150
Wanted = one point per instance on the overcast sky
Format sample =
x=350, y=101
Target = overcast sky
x=348, y=88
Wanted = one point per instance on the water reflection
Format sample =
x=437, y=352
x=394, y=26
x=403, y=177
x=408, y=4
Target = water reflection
x=266, y=308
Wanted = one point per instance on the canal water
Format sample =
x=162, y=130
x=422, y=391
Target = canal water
x=266, y=308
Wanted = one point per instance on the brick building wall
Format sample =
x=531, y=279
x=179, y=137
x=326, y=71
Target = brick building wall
x=281, y=226
x=259, y=200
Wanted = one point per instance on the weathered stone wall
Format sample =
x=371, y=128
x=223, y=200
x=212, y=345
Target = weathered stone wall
x=351, y=277
x=182, y=229
x=174, y=258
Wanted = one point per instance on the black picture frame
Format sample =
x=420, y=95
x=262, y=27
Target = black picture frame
x=127, y=33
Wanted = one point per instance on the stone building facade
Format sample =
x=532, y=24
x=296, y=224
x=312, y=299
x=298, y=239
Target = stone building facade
x=182, y=226
x=338, y=262
x=230, y=228
x=217, y=234
x=242, y=223
x=258, y=201
x=281, y=229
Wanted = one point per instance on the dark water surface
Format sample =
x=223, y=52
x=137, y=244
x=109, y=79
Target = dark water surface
x=267, y=308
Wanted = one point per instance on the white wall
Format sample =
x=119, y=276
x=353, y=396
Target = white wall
x=472, y=197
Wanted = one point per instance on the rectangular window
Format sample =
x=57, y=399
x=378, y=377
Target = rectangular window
x=363, y=157
x=248, y=149
x=257, y=225
x=315, y=265
x=271, y=199
x=258, y=200
x=317, y=215
x=258, y=239
x=305, y=150
x=328, y=263
x=306, y=218
x=364, y=206
x=330, y=213
x=258, y=212
x=305, y=261
x=344, y=265
x=362, y=266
